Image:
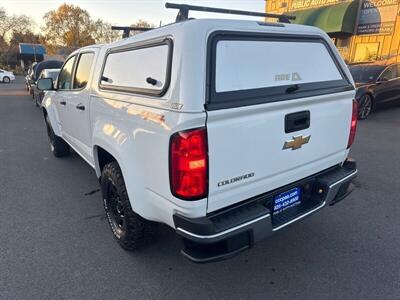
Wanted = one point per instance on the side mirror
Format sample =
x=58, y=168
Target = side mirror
x=45, y=84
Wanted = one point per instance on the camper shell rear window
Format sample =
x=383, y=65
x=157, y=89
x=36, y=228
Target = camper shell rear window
x=251, y=68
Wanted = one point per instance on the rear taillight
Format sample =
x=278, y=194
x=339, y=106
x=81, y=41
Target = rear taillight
x=189, y=164
x=353, y=125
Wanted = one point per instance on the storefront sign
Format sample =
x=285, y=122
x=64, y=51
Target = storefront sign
x=304, y=4
x=377, y=17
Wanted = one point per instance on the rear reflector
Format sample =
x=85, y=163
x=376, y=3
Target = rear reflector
x=353, y=125
x=189, y=164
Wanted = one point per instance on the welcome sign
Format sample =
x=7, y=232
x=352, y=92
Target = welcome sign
x=377, y=17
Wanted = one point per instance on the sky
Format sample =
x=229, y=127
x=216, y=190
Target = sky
x=126, y=12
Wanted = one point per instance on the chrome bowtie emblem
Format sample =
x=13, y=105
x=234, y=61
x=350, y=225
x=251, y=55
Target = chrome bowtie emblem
x=297, y=142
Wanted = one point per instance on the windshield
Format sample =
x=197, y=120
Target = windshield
x=53, y=74
x=365, y=74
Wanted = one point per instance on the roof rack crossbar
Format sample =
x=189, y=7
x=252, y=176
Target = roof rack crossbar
x=185, y=8
x=127, y=29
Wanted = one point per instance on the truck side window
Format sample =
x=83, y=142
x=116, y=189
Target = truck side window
x=65, y=78
x=83, y=70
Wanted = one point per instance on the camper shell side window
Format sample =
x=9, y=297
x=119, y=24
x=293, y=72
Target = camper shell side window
x=140, y=69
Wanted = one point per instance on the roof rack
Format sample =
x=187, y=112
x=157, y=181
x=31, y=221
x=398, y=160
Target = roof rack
x=126, y=29
x=185, y=8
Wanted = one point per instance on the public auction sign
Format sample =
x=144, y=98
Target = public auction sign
x=304, y=4
x=377, y=17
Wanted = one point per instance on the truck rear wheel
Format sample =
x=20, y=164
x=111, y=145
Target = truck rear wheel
x=58, y=146
x=130, y=229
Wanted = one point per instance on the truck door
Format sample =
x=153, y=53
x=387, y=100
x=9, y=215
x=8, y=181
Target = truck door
x=77, y=125
x=63, y=90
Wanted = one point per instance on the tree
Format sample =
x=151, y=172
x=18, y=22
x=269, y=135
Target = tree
x=102, y=32
x=69, y=26
x=25, y=37
x=14, y=29
x=14, y=23
x=143, y=24
x=140, y=24
x=5, y=24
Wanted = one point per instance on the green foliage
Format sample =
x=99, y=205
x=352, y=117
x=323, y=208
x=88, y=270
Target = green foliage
x=14, y=29
x=19, y=70
x=69, y=26
x=65, y=29
x=72, y=27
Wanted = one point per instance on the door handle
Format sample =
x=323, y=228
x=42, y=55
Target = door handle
x=63, y=103
x=80, y=106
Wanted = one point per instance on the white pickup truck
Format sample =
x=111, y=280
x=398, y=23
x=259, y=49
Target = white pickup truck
x=225, y=130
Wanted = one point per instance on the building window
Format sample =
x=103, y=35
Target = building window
x=366, y=52
x=343, y=42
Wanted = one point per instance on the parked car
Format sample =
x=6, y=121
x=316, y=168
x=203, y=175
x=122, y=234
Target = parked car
x=6, y=76
x=192, y=125
x=376, y=83
x=37, y=69
x=47, y=64
x=46, y=73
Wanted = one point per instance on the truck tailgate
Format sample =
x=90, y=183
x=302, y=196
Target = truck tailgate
x=279, y=109
x=246, y=155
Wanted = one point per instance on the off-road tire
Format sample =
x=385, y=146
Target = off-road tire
x=35, y=99
x=39, y=102
x=58, y=146
x=131, y=230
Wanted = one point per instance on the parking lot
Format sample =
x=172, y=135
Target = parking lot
x=55, y=240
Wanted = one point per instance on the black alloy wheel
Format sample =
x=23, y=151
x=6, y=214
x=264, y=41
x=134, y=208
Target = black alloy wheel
x=114, y=209
x=50, y=134
x=365, y=106
x=131, y=230
x=58, y=146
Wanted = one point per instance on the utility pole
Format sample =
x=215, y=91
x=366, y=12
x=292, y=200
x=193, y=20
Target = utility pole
x=34, y=51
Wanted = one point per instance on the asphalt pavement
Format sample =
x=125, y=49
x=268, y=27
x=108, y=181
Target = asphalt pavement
x=55, y=241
